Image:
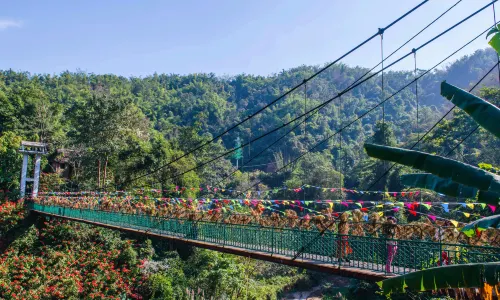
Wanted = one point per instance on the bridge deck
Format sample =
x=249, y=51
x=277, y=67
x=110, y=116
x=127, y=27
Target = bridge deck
x=343, y=270
x=367, y=260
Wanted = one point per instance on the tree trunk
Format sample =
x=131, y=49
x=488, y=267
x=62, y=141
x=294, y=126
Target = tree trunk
x=105, y=172
x=98, y=173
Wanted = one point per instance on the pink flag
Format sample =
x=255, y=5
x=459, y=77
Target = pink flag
x=433, y=218
x=492, y=207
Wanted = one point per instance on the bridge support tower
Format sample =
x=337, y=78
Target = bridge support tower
x=27, y=149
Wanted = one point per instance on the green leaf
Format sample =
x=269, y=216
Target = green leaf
x=495, y=43
x=488, y=197
x=484, y=113
x=453, y=276
x=493, y=30
x=482, y=224
x=439, y=185
x=492, y=273
x=438, y=165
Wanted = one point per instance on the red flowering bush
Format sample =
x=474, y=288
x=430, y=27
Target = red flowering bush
x=62, y=259
x=10, y=215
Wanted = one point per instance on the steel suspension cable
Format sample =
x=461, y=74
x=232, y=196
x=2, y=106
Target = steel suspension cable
x=494, y=24
x=416, y=94
x=478, y=126
x=435, y=125
x=382, y=83
x=203, y=144
x=356, y=81
x=388, y=98
x=305, y=126
x=416, y=100
x=302, y=249
x=341, y=165
x=343, y=92
x=498, y=67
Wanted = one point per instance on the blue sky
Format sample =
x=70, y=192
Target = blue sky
x=226, y=37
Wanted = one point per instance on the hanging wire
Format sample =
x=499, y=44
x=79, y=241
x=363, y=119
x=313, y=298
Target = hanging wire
x=203, y=144
x=495, y=24
x=388, y=98
x=341, y=93
x=437, y=123
x=381, y=32
x=356, y=81
x=341, y=168
x=416, y=100
x=305, y=108
x=416, y=92
x=305, y=126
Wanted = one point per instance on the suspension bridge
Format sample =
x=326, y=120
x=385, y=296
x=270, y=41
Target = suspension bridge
x=309, y=249
x=368, y=255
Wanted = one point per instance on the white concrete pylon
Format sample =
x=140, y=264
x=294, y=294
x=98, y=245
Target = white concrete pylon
x=31, y=148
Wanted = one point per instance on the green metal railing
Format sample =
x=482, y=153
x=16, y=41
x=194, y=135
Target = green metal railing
x=365, y=252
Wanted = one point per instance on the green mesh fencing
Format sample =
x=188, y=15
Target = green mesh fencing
x=362, y=252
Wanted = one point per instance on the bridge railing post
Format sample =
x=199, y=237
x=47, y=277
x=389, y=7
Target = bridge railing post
x=223, y=232
x=386, y=252
x=272, y=241
x=302, y=242
x=440, y=254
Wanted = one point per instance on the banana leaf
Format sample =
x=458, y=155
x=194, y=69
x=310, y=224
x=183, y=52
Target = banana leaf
x=481, y=224
x=484, y=113
x=444, y=186
x=495, y=39
x=448, y=187
x=488, y=197
x=439, y=166
x=454, y=276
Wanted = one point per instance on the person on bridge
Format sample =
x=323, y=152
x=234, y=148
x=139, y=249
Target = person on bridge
x=343, y=247
x=389, y=230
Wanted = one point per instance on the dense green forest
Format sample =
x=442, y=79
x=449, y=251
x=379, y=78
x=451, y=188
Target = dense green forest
x=112, y=129
x=129, y=126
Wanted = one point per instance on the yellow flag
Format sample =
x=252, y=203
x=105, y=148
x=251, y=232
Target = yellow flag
x=387, y=194
x=455, y=223
x=470, y=205
x=380, y=206
x=331, y=205
x=285, y=202
x=466, y=214
x=381, y=213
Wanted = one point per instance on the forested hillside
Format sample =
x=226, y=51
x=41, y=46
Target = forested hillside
x=111, y=129
x=128, y=126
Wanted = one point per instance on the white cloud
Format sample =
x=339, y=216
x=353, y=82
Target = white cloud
x=9, y=23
